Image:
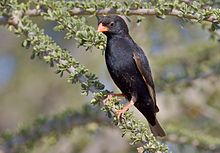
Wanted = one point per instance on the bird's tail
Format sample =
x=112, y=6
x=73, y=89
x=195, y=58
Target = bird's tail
x=150, y=115
x=156, y=129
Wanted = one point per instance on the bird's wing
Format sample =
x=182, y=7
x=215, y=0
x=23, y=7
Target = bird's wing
x=144, y=69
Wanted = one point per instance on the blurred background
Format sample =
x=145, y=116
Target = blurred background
x=185, y=63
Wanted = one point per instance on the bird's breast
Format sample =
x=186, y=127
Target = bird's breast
x=121, y=66
x=118, y=59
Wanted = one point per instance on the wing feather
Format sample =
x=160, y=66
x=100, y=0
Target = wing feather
x=145, y=72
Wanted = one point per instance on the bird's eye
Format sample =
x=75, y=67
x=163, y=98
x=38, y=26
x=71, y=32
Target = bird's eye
x=112, y=24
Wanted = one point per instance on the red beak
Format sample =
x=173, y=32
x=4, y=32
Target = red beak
x=102, y=28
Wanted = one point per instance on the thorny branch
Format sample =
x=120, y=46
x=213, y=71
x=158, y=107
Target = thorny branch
x=141, y=12
x=44, y=127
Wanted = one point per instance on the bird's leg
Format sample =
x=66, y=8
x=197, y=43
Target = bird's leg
x=111, y=95
x=121, y=112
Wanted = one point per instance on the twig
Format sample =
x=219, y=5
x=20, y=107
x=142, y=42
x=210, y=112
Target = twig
x=142, y=12
x=198, y=140
x=44, y=127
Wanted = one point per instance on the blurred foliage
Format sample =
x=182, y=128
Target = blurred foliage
x=184, y=61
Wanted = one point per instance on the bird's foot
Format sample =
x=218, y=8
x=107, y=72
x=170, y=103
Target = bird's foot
x=120, y=113
x=111, y=95
x=108, y=98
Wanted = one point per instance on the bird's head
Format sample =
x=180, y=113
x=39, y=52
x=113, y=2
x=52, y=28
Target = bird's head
x=112, y=25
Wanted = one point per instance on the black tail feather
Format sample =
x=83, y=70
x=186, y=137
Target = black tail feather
x=150, y=115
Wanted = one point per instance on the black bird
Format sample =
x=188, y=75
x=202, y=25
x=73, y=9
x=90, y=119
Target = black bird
x=130, y=70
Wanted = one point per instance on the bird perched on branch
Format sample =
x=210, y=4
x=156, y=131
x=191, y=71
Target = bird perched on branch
x=130, y=70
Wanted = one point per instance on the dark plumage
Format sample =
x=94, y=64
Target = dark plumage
x=130, y=70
